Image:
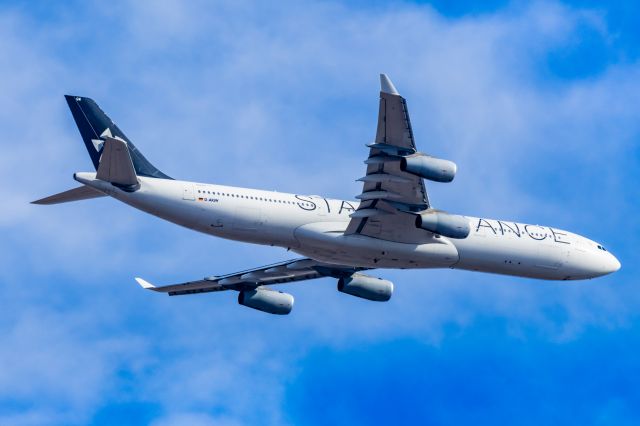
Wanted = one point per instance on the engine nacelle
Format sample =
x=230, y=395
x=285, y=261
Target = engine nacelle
x=428, y=167
x=366, y=287
x=271, y=301
x=448, y=225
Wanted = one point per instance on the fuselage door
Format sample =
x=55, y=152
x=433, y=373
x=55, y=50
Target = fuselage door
x=188, y=192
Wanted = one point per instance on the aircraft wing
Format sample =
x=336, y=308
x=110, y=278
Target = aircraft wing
x=389, y=195
x=283, y=272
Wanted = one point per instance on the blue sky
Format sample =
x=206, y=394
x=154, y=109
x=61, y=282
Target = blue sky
x=537, y=102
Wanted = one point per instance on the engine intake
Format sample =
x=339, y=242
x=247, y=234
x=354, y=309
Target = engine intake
x=270, y=301
x=428, y=167
x=366, y=287
x=448, y=225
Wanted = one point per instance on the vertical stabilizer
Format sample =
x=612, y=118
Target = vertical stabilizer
x=95, y=126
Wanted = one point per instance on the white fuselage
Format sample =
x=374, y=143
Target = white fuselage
x=314, y=227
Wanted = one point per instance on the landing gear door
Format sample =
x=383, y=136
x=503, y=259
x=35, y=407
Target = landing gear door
x=188, y=192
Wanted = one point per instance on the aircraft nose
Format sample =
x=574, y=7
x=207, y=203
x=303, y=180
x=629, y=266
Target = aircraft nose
x=591, y=263
x=613, y=264
x=607, y=264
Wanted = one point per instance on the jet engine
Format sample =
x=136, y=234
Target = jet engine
x=428, y=167
x=366, y=287
x=270, y=301
x=448, y=225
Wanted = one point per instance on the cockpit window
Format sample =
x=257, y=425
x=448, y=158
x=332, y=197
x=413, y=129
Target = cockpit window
x=601, y=248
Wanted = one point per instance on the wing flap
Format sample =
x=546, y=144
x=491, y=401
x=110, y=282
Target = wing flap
x=383, y=177
x=191, y=287
x=368, y=213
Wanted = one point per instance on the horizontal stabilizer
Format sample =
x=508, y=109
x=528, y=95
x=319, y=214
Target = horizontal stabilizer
x=76, y=194
x=116, y=165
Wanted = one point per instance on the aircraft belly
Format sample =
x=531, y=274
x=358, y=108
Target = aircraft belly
x=326, y=242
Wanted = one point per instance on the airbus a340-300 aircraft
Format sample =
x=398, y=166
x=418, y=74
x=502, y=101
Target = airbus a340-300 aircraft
x=393, y=225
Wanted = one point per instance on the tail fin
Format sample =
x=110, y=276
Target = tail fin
x=95, y=126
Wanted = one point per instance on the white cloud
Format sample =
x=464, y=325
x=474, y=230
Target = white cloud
x=56, y=358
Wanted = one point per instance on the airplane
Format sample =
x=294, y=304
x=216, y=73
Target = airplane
x=392, y=224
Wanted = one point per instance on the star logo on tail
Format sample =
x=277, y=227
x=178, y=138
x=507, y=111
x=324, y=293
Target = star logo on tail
x=99, y=143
